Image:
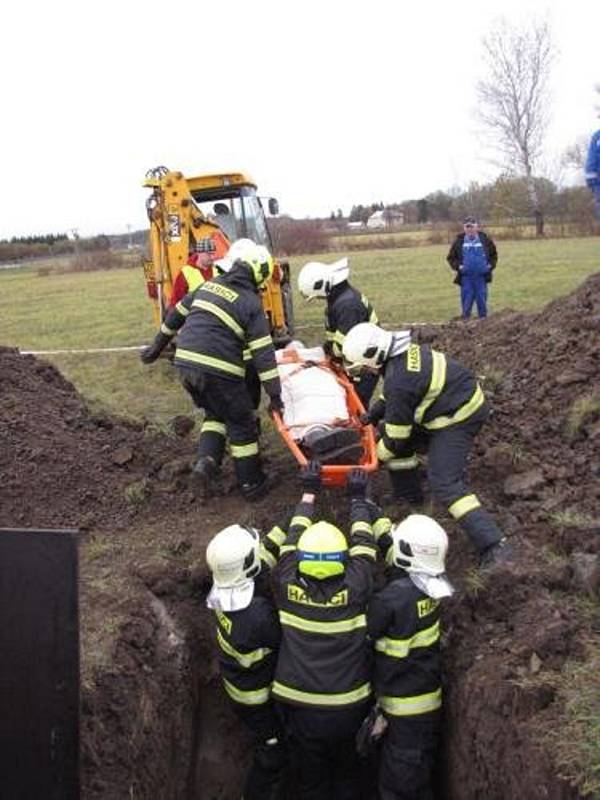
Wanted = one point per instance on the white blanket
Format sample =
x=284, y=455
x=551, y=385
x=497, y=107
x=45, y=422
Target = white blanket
x=312, y=397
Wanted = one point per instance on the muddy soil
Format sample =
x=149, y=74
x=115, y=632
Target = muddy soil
x=155, y=723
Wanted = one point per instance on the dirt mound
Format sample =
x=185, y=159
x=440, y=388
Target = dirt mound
x=508, y=637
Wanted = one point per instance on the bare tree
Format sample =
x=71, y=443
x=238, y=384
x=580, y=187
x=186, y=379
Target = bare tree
x=513, y=99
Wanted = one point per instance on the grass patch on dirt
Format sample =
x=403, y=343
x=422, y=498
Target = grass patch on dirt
x=585, y=407
x=575, y=740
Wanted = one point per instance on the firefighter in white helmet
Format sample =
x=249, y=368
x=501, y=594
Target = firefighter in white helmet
x=428, y=393
x=403, y=622
x=248, y=637
x=346, y=307
x=322, y=584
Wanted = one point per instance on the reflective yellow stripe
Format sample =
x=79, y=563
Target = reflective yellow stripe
x=300, y=522
x=327, y=628
x=438, y=379
x=254, y=698
x=329, y=336
x=209, y=361
x=182, y=309
x=313, y=699
x=373, y=318
x=381, y=526
x=400, y=648
x=408, y=706
x=383, y=454
x=398, y=431
x=397, y=464
x=338, y=338
x=256, y=344
x=226, y=318
x=247, y=355
x=361, y=525
x=269, y=374
x=462, y=506
x=363, y=550
x=212, y=426
x=463, y=413
x=245, y=660
x=166, y=330
x=287, y=548
x=266, y=556
x=244, y=450
x=193, y=277
x=277, y=535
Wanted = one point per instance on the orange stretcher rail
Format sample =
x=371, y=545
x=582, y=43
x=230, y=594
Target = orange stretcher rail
x=333, y=474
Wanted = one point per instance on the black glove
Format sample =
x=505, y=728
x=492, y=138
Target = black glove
x=407, y=486
x=276, y=404
x=356, y=485
x=310, y=477
x=366, y=419
x=150, y=354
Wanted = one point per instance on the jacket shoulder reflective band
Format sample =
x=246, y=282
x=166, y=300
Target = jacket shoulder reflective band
x=256, y=697
x=411, y=706
x=400, y=648
x=284, y=692
x=226, y=319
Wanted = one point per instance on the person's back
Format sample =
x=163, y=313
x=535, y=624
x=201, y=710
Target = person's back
x=404, y=628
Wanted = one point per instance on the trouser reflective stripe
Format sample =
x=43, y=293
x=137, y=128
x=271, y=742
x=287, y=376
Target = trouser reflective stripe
x=398, y=464
x=244, y=450
x=463, y=505
x=410, y=706
x=283, y=692
x=212, y=439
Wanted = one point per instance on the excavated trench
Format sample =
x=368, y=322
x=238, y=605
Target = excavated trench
x=155, y=724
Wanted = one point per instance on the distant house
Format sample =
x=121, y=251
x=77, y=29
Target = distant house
x=387, y=218
x=355, y=225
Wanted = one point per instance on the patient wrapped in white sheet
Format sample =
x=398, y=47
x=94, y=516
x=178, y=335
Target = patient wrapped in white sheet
x=313, y=399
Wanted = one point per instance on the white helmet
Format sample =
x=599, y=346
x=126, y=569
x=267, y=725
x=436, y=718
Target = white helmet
x=233, y=558
x=419, y=544
x=317, y=279
x=366, y=345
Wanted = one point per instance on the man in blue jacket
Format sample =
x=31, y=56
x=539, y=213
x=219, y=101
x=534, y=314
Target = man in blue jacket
x=592, y=168
x=473, y=256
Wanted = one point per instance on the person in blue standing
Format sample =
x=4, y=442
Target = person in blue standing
x=473, y=256
x=592, y=168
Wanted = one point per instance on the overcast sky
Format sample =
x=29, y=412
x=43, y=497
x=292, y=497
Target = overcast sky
x=325, y=104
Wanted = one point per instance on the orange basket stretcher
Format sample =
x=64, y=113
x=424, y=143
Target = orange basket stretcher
x=332, y=474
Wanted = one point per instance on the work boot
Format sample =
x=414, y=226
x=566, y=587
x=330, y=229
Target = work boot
x=501, y=552
x=256, y=491
x=204, y=472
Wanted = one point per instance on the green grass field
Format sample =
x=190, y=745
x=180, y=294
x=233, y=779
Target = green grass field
x=42, y=311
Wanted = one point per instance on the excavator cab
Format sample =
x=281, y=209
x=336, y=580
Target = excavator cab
x=224, y=207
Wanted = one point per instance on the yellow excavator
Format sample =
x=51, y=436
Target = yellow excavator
x=185, y=211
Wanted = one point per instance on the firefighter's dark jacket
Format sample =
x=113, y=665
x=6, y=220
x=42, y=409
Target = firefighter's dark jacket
x=425, y=388
x=346, y=307
x=404, y=630
x=324, y=660
x=224, y=317
x=248, y=641
x=455, y=255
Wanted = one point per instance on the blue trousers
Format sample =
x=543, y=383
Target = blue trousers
x=473, y=289
x=596, y=193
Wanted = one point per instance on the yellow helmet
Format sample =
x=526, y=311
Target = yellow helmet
x=322, y=551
